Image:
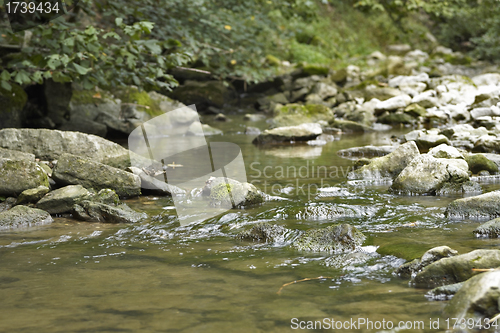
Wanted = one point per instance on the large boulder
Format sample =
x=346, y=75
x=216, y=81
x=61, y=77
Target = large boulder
x=411, y=268
x=296, y=114
x=456, y=269
x=75, y=170
x=389, y=165
x=50, y=144
x=484, y=206
x=22, y=217
x=488, y=229
x=32, y=195
x=335, y=238
x=99, y=212
x=62, y=200
x=16, y=155
x=477, y=299
x=426, y=175
x=226, y=192
x=304, y=132
x=19, y=175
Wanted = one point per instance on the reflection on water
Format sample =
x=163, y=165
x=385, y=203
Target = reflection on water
x=159, y=276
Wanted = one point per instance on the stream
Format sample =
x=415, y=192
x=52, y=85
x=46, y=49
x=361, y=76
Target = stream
x=159, y=276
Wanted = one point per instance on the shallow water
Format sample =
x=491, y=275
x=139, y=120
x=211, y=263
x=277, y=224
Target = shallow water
x=158, y=276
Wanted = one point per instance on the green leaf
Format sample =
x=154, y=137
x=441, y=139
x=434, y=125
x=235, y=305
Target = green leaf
x=118, y=21
x=5, y=85
x=5, y=76
x=80, y=69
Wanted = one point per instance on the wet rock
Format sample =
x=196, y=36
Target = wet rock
x=265, y=232
x=394, y=103
x=445, y=151
x=16, y=155
x=7, y=204
x=22, y=217
x=367, y=151
x=456, y=269
x=484, y=206
x=426, y=175
x=387, y=166
x=19, y=175
x=50, y=144
x=99, y=212
x=249, y=130
x=296, y=114
x=410, y=269
x=331, y=212
x=155, y=184
x=226, y=192
x=444, y=292
x=477, y=299
x=106, y=196
x=426, y=141
x=465, y=188
x=304, y=132
x=62, y=200
x=488, y=229
x=349, y=126
x=32, y=195
x=75, y=170
x=479, y=162
x=335, y=238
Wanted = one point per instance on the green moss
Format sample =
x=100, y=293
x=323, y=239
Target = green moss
x=220, y=192
x=311, y=69
x=135, y=96
x=457, y=60
x=87, y=97
x=306, y=110
x=479, y=162
x=365, y=84
x=14, y=99
x=272, y=60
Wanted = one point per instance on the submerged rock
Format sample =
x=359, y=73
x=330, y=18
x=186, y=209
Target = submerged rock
x=477, y=299
x=488, y=229
x=75, y=170
x=481, y=206
x=100, y=212
x=265, y=232
x=226, y=192
x=22, y=216
x=17, y=176
x=62, y=200
x=32, y=195
x=426, y=175
x=387, y=166
x=411, y=268
x=304, y=132
x=50, y=144
x=456, y=269
x=335, y=238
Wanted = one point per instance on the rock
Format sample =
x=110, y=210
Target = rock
x=416, y=55
x=427, y=99
x=408, y=80
x=489, y=79
x=75, y=170
x=267, y=103
x=393, y=103
x=415, y=110
x=50, y=144
x=22, y=217
x=444, y=292
x=387, y=166
x=202, y=94
x=426, y=141
x=465, y=188
x=478, y=163
x=7, y=204
x=478, y=113
x=396, y=118
x=484, y=206
x=19, y=175
x=226, y=192
x=13, y=102
x=399, y=48
x=155, y=184
x=380, y=93
x=349, y=126
x=426, y=174
x=477, y=299
x=488, y=229
x=487, y=144
x=32, y=195
x=254, y=117
x=249, y=130
x=62, y=200
x=265, y=232
x=456, y=269
x=304, y=132
x=95, y=211
x=115, y=124
x=16, y=155
x=445, y=151
x=106, y=196
x=221, y=117
x=84, y=125
x=296, y=114
x=323, y=90
x=410, y=269
x=335, y=238
x=366, y=151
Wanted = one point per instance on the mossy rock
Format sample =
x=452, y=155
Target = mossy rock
x=13, y=102
x=349, y=126
x=133, y=95
x=17, y=176
x=82, y=97
x=335, y=238
x=415, y=110
x=22, y=217
x=313, y=69
x=397, y=118
x=231, y=193
x=479, y=162
x=488, y=229
x=296, y=114
x=265, y=232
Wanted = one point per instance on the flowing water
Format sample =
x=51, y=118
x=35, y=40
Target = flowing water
x=159, y=276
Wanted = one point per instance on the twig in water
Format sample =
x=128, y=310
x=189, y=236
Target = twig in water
x=306, y=279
